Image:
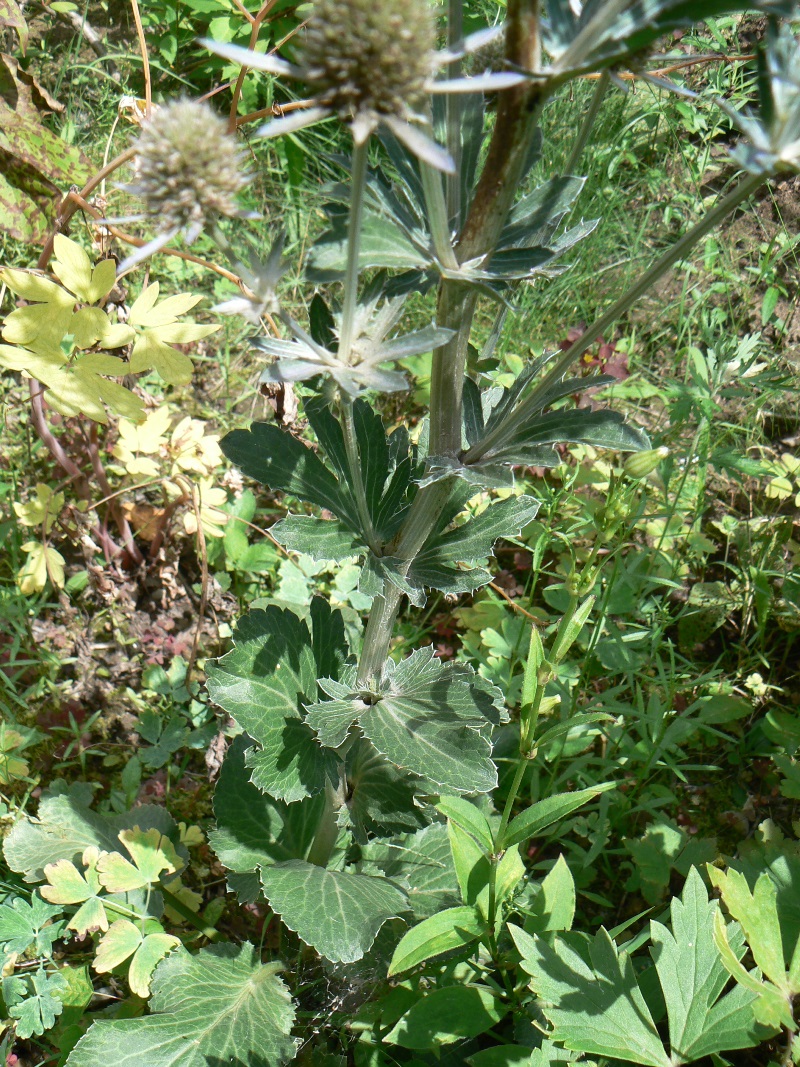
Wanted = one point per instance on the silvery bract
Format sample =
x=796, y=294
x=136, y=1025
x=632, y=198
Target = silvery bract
x=773, y=136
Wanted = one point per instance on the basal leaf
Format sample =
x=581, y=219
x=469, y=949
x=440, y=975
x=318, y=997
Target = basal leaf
x=253, y=830
x=262, y=683
x=65, y=827
x=336, y=912
x=220, y=1006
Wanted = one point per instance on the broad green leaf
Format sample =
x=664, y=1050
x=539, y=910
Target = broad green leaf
x=152, y=853
x=448, y=931
x=553, y=907
x=379, y=796
x=278, y=460
x=24, y=925
x=263, y=683
x=544, y=813
x=421, y=863
x=692, y=978
x=253, y=830
x=321, y=539
x=447, y=1015
x=65, y=827
x=220, y=1006
x=382, y=244
x=770, y=1005
x=36, y=1001
x=336, y=912
x=504, y=1056
x=473, y=540
x=594, y=1005
x=473, y=870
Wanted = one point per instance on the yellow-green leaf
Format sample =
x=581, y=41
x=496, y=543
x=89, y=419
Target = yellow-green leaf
x=43, y=508
x=72, y=267
x=150, y=353
x=148, y=313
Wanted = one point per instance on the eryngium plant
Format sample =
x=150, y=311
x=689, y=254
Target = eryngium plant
x=331, y=804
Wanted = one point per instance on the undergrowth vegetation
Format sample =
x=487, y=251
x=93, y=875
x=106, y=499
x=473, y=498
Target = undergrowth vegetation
x=399, y=496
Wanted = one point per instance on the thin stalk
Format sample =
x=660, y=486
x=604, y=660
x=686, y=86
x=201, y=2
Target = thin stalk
x=528, y=407
x=587, y=125
x=358, y=180
x=354, y=463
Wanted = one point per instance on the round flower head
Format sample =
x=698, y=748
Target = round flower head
x=371, y=63
x=188, y=172
x=369, y=56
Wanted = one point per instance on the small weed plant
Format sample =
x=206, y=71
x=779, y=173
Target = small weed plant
x=389, y=808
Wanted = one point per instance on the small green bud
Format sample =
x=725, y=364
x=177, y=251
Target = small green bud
x=545, y=674
x=640, y=464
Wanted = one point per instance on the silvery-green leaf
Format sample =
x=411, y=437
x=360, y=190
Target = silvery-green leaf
x=336, y=912
x=319, y=538
x=263, y=683
x=427, y=717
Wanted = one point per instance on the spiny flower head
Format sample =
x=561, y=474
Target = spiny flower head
x=369, y=56
x=372, y=63
x=188, y=168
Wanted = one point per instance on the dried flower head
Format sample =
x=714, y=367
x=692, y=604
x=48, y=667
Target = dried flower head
x=188, y=172
x=372, y=62
x=369, y=56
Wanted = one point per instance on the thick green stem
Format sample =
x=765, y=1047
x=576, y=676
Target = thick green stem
x=530, y=405
x=587, y=125
x=327, y=830
x=358, y=179
x=378, y=634
x=519, y=110
x=354, y=463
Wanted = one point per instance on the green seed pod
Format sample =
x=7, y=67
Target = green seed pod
x=640, y=464
x=369, y=56
x=187, y=167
